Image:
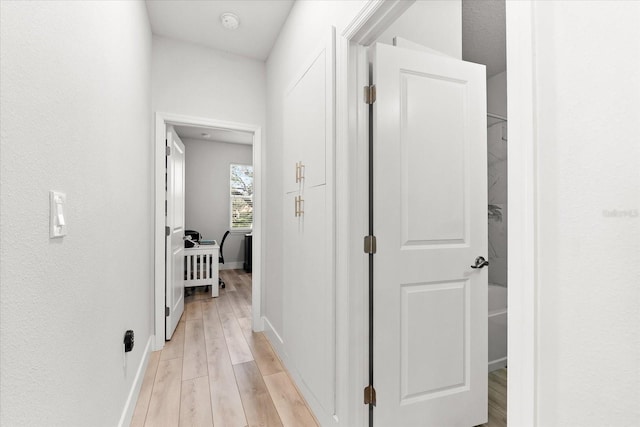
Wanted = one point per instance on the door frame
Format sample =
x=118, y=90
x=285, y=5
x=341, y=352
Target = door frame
x=161, y=122
x=352, y=167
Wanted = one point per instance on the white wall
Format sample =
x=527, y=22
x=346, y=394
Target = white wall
x=76, y=118
x=197, y=81
x=497, y=94
x=587, y=64
x=207, y=191
x=433, y=23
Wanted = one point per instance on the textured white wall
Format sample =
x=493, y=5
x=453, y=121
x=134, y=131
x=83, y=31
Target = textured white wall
x=76, y=118
x=207, y=191
x=588, y=111
x=436, y=24
x=198, y=81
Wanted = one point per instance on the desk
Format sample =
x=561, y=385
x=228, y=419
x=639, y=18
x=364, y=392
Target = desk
x=248, y=251
x=201, y=267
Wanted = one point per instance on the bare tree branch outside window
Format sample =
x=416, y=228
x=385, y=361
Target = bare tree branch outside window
x=241, y=187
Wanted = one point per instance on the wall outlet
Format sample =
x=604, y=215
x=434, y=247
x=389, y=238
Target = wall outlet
x=128, y=341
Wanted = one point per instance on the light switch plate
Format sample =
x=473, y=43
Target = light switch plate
x=57, y=214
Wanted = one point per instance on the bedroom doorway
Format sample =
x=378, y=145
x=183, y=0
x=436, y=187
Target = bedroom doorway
x=199, y=134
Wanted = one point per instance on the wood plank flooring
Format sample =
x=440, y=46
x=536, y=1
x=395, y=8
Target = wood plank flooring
x=216, y=372
x=497, y=399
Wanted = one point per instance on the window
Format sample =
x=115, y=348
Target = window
x=241, y=192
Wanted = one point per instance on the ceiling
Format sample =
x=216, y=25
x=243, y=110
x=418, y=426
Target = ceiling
x=199, y=22
x=218, y=135
x=483, y=34
x=196, y=21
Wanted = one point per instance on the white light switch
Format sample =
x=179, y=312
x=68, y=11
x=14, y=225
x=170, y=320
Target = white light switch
x=57, y=223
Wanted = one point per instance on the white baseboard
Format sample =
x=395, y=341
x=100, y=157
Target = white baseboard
x=238, y=265
x=494, y=365
x=132, y=399
x=273, y=335
x=278, y=345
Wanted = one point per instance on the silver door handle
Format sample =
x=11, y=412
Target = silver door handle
x=480, y=262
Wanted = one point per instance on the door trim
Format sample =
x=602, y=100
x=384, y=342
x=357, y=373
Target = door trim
x=352, y=216
x=161, y=122
x=522, y=178
x=352, y=129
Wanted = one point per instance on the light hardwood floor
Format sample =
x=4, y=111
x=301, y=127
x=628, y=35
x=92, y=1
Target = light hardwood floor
x=216, y=372
x=497, y=399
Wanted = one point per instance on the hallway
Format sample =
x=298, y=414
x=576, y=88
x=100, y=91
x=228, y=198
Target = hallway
x=216, y=371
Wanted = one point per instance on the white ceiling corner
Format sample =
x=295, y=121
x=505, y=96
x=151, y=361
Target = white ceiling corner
x=196, y=21
x=484, y=34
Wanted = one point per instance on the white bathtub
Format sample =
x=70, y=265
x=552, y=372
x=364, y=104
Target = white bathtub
x=497, y=327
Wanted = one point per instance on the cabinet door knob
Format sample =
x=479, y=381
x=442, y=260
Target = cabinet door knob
x=299, y=205
x=299, y=171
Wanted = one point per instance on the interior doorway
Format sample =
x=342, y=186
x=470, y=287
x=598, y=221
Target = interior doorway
x=521, y=345
x=194, y=130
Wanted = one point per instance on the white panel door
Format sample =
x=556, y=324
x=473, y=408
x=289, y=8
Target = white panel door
x=308, y=119
x=430, y=219
x=174, y=278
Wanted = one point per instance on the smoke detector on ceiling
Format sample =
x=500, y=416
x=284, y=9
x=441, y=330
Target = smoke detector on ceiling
x=230, y=21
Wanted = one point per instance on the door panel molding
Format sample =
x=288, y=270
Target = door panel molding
x=451, y=299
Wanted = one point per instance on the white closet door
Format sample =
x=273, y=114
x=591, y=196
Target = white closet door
x=308, y=123
x=309, y=327
x=310, y=302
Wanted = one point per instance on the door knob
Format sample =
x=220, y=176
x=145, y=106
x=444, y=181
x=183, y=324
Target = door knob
x=480, y=262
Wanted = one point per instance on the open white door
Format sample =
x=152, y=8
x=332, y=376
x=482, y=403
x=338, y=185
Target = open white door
x=430, y=221
x=174, y=290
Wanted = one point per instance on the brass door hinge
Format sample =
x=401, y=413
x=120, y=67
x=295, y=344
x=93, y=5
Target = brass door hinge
x=370, y=245
x=370, y=395
x=168, y=151
x=370, y=94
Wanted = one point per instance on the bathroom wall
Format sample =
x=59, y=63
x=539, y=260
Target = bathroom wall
x=497, y=178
